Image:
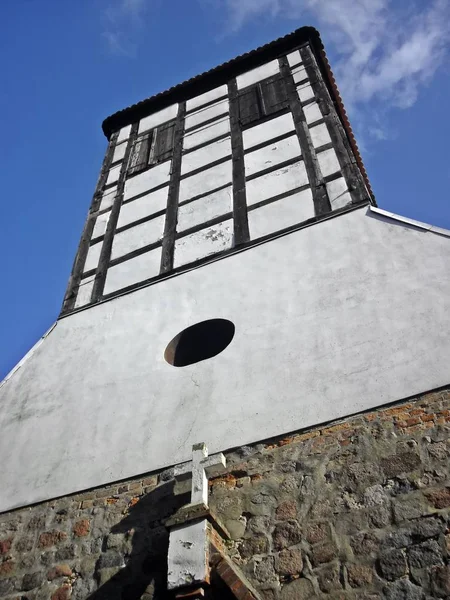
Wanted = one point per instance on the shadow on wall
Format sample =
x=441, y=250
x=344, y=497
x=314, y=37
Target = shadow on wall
x=140, y=541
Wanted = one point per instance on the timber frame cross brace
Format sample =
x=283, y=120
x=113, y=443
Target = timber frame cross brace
x=197, y=561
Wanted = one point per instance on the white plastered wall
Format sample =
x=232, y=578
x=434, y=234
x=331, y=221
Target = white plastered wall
x=346, y=315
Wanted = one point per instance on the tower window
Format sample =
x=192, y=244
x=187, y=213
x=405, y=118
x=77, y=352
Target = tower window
x=199, y=342
x=151, y=148
x=261, y=100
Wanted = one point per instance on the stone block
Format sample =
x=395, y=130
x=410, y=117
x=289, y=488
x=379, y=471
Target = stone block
x=440, y=581
x=300, y=589
x=364, y=543
x=392, y=564
x=359, y=575
x=59, y=571
x=258, y=544
x=31, y=581
x=410, y=507
x=402, y=589
x=317, y=532
x=286, y=510
x=328, y=578
x=263, y=569
x=323, y=553
x=289, y=562
x=51, y=538
x=81, y=528
x=403, y=462
x=286, y=534
x=439, y=498
x=427, y=554
x=62, y=593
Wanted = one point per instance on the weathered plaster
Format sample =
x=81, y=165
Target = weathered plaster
x=158, y=118
x=280, y=214
x=208, y=96
x=188, y=555
x=299, y=74
x=255, y=75
x=338, y=193
x=294, y=58
x=204, y=209
x=113, y=174
x=85, y=291
x=271, y=154
x=133, y=271
x=119, y=152
x=108, y=198
x=312, y=112
x=203, y=243
x=268, y=130
x=277, y=182
x=93, y=256
x=101, y=222
x=206, y=132
x=124, y=134
x=320, y=135
x=339, y=317
x=305, y=92
x=328, y=162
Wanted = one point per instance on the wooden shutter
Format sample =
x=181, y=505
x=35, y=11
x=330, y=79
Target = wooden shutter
x=274, y=96
x=249, y=106
x=163, y=146
x=139, y=154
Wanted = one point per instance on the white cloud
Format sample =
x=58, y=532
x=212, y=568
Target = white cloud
x=121, y=21
x=383, y=53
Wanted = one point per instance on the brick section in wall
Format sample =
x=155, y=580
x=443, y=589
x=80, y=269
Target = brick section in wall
x=355, y=510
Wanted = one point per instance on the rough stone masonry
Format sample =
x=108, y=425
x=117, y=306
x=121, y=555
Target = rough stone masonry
x=359, y=509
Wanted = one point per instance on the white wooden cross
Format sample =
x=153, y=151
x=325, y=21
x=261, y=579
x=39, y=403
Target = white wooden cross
x=200, y=469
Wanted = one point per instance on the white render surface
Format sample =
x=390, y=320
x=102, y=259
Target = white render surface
x=206, y=155
x=101, y=222
x=158, y=118
x=319, y=135
x=203, y=243
x=209, y=112
x=187, y=560
x=338, y=193
x=328, y=162
x=267, y=130
x=294, y=58
x=277, y=182
x=113, y=174
x=133, y=271
x=271, y=155
x=205, y=181
x=138, y=236
x=280, y=214
x=299, y=74
x=85, y=291
x=312, y=112
x=143, y=207
x=305, y=92
x=258, y=74
x=108, y=198
x=147, y=180
x=354, y=309
x=124, y=134
x=119, y=152
x=206, y=208
x=208, y=96
x=93, y=256
x=206, y=132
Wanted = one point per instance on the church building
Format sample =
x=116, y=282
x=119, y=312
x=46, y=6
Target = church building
x=247, y=392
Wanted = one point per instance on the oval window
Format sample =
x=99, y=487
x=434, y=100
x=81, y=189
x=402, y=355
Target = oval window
x=199, y=342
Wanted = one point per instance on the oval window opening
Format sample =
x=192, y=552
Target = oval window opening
x=199, y=342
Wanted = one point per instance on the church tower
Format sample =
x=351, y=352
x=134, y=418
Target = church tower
x=235, y=286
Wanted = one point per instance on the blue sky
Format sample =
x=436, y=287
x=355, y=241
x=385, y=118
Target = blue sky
x=67, y=65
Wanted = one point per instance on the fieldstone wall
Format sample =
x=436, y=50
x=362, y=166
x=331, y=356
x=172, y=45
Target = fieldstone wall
x=355, y=510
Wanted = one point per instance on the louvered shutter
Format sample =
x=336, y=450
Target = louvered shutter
x=163, y=146
x=139, y=154
x=249, y=106
x=274, y=97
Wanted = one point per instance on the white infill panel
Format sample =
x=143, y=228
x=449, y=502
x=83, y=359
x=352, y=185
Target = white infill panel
x=187, y=558
x=299, y=74
x=320, y=135
x=205, y=114
x=85, y=291
x=137, y=237
x=202, y=210
x=271, y=154
x=312, y=112
x=268, y=130
x=101, y=222
x=279, y=181
x=207, y=97
x=113, y=174
x=147, y=180
x=305, y=92
x=206, y=155
x=280, y=214
x=108, y=198
x=328, y=162
x=92, y=257
x=206, y=132
x=119, y=152
x=338, y=193
x=258, y=74
x=294, y=58
x=143, y=207
x=206, y=181
x=133, y=271
x=124, y=134
x=204, y=243
x=162, y=116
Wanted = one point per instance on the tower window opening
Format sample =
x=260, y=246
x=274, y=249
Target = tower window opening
x=199, y=342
